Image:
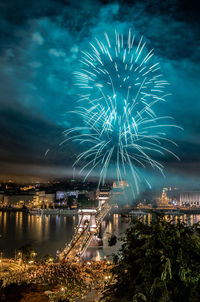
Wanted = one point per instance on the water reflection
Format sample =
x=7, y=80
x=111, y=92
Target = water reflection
x=45, y=233
x=48, y=233
x=188, y=219
x=149, y=218
x=116, y=222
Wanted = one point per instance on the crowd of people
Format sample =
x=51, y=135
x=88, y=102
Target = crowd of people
x=69, y=279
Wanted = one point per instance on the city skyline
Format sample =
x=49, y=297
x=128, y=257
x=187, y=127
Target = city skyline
x=99, y=150
x=40, y=50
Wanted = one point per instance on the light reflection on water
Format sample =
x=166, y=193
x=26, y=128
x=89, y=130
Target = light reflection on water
x=49, y=233
x=188, y=219
x=46, y=234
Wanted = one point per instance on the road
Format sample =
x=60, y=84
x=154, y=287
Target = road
x=82, y=238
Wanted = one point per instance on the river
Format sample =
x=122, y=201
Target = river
x=48, y=233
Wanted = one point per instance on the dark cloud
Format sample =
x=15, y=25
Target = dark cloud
x=24, y=137
x=40, y=45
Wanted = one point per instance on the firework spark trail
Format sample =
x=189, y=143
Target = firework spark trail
x=122, y=84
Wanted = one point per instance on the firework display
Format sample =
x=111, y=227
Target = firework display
x=120, y=85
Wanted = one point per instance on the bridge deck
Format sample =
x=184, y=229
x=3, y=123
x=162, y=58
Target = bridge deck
x=83, y=236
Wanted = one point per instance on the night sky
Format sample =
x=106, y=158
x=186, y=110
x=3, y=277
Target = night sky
x=39, y=50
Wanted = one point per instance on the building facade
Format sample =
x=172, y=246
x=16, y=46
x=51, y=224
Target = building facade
x=190, y=199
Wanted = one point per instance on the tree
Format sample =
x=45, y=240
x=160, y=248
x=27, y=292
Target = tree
x=157, y=262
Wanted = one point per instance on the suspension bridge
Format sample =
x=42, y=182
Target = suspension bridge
x=87, y=229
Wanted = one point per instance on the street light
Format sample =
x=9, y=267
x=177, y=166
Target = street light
x=33, y=255
x=19, y=254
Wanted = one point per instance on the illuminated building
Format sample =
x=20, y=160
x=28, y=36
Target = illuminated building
x=190, y=199
x=17, y=200
x=65, y=194
x=42, y=199
x=163, y=201
x=38, y=200
x=27, y=188
x=121, y=184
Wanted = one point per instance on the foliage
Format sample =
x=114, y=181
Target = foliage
x=157, y=262
x=112, y=240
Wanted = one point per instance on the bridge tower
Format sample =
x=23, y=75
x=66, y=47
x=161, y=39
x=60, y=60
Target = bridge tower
x=87, y=218
x=103, y=195
x=89, y=223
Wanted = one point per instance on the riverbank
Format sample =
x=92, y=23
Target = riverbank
x=54, y=212
x=162, y=211
x=60, y=211
x=167, y=211
x=41, y=211
x=123, y=211
x=14, y=210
